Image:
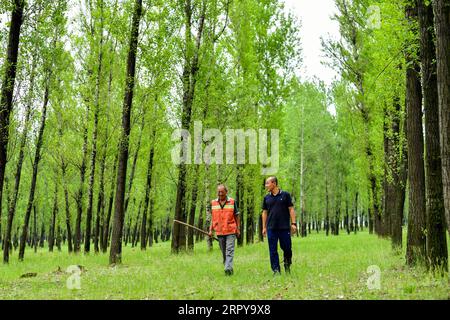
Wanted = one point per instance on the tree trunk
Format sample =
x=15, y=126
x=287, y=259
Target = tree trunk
x=157, y=234
x=207, y=206
x=389, y=168
x=260, y=224
x=442, y=20
x=435, y=212
x=51, y=234
x=302, y=187
x=302, y=224
x=260, y=228
x=355, y=217
x=240, y=202
x=133, y=166
x=100, y=204
x=10, y=68
x=66, y=199
x=369, y=216
x=327, y=219
x=37, y=158
x=190, y=70
x=136, y=225
x=374, y=210
x=105, y=238
x=128, y=226
x=347, y=225
x=79, y=197
x=399, y=176
x=116, y=241
x=395, y=174
x=193, y=208
x=16, y=238
x=13, y=203
x=87, y=239
x=34, y=241
x=199, y=235
x=42, y=237
x=416, y=241
x=250, y=208
x=148, y=187
x=337, y=218
x=150, y=221
x=58, y=237
x=375, y=205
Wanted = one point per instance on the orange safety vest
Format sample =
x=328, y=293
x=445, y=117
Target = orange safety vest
x=223, y=219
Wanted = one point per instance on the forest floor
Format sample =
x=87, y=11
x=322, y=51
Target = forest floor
x=333, y=267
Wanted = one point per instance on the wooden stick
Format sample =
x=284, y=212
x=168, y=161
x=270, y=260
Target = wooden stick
x=195, y=228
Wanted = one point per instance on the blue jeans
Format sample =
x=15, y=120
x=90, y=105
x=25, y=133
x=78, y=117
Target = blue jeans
x=284, y=236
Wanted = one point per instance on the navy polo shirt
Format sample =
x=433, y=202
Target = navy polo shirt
x=277, y=207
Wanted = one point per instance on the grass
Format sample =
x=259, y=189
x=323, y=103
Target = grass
x=333, y=267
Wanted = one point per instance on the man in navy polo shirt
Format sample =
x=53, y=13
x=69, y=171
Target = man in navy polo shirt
x=278, y=219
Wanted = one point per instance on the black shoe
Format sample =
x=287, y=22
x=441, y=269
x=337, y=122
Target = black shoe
x=287, y=268
x=229, y=272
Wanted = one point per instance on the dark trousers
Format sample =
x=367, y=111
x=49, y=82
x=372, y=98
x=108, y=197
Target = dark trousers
x=284, y=236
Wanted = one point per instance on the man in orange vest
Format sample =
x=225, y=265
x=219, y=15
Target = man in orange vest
x=225, y=222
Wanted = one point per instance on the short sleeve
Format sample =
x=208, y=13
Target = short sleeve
x=289, y=200
x=264, y=204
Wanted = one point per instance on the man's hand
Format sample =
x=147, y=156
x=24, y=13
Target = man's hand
x=293, y=229
x=238, y=233
x=264, y=232
x=210, y=233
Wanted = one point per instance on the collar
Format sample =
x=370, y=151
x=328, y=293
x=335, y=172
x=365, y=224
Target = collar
x=279, y=192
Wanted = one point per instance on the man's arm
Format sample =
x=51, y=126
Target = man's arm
x=290, y=206
x=293, y=220
x=264, y=219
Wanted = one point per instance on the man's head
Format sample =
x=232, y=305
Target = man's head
x=222, y=192
x=271, y=183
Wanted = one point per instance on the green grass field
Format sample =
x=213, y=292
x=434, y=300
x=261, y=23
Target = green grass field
x=333, y=267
